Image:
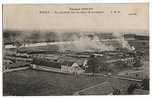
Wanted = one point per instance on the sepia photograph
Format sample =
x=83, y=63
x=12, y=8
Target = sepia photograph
x=75, y=49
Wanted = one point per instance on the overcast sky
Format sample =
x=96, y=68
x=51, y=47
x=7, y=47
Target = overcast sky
x=28, y=17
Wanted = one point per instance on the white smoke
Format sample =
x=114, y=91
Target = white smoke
x=121, y=40
x=85, y=43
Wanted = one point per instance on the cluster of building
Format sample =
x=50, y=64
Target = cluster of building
x=66, y=62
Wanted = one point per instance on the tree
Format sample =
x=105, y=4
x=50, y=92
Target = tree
x=92, y=64
x=145, y=83
x=35, y=36
x=50, y=37
x=18, y=45
x=132, y=87
x=116, y=91
x=137, y=62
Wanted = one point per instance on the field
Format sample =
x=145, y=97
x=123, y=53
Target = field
x=31, y=82
x=40, y=83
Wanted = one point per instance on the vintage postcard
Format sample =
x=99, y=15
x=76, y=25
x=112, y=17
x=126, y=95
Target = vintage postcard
x=75, y=49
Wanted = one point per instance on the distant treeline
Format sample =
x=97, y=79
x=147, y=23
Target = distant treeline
x=25, y=37
x=9, y=37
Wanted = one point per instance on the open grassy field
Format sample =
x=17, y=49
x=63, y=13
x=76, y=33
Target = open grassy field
x=40, y=83
x=31, y=82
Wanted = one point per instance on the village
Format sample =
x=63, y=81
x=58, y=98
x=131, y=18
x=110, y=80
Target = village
x=123, y=57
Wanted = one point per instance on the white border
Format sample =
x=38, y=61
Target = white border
x=71, y=1
x=74, y=1
x=1, y=50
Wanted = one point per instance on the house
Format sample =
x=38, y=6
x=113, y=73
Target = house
x=68, y=66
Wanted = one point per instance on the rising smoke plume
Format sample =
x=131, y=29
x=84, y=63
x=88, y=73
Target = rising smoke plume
x=121, y=40
x=83, y=42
